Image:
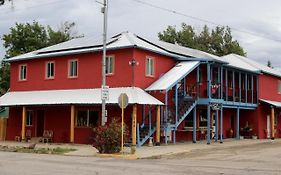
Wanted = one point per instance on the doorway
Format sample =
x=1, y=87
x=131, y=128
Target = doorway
x=40, y=123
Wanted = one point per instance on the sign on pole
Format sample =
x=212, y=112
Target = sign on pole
x=123, y=103
x=125, y=100
x=105, y=93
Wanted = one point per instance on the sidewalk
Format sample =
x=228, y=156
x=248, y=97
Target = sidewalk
x=145, y=151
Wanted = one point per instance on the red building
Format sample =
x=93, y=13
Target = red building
x=175, y=93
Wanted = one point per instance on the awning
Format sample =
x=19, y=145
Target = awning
x=276, y=104
x=76, y=96
x=173, y=76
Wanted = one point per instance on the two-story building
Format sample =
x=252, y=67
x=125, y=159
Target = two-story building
x=175, y=93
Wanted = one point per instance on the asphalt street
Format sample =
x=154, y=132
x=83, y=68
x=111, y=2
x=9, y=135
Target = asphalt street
x=256, y=159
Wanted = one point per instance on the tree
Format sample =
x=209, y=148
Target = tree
x=218, y=41
x=27, y=37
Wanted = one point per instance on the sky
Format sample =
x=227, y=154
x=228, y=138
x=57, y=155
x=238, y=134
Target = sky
x=256, y=24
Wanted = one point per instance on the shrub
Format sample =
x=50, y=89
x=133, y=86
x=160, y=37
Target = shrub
x=107, y=138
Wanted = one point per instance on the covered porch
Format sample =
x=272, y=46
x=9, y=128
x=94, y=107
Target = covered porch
x=70, y=115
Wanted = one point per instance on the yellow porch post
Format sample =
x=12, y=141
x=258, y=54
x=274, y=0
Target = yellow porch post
x=23, y=123
x=272, y=123
x=72, y=124
x=158, y=126
x=134, y=128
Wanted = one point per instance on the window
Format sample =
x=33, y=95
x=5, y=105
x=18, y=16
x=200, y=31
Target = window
x=149, y=67
x=50, y=70
x=87, y=118
x=29, y=116
x=203, y=118
x=109, y=65
x=22, y=72
x=73, y=68
x=279, y=87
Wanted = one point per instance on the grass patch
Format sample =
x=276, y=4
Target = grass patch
x=57, y=150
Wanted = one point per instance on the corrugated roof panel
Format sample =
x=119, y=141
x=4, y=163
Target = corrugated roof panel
x=123, y=40
x=251, y=64
x=169, y=79
x=234, y=61
x=274, y=103
x=76, y=96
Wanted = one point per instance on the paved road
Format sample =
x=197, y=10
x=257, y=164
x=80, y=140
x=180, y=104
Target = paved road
x=258, y=159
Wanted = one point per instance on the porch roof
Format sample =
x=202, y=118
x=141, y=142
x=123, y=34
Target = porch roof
x=76, y=96
x=173, y=76
x=276, y=104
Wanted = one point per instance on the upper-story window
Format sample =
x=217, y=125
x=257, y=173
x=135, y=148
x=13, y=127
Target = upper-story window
x=109, y=65
x=73, y=68
x=50, y=70
x=22, y=72
x=149, y=66
x=279, y=87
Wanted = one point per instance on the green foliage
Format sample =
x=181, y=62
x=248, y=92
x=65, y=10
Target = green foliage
x=107, y=138
x=27, y=37
x=218, y=41
x=4, y=77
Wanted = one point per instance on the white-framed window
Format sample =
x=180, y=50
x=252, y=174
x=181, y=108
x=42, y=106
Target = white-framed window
x=279, y=87
x=29, y=117
x=22, y=72
x=109, y=65
x=149, y=66
x=73, y=68
x=50, y=70
x=87, y=118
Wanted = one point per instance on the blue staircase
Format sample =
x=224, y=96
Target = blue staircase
x=185, y=107
x=144, y=132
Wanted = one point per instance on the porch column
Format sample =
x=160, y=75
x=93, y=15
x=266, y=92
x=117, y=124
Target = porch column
x=23, y=123
x=158, y=127
x=237, y=124
x=134, y=125
x=217, y=125
x=194, y=125
x=233, y=85
x=272, y=123
x=208, y=124
x=221, y=124
x=72, y=124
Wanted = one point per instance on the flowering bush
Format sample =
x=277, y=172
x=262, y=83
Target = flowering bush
x=107, y=138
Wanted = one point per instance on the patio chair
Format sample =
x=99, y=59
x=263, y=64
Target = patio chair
x=48, y=136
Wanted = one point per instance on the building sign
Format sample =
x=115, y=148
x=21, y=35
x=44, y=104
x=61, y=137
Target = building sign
x=216, y=106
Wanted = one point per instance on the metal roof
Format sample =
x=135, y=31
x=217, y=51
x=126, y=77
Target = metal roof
x=273, y=103
x=76, y=96
x=249, y=64
x=169, y=79
x=122, y=40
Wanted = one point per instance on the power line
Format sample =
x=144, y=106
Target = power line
x=204, y=20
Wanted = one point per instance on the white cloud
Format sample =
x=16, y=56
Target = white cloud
x=255, y=16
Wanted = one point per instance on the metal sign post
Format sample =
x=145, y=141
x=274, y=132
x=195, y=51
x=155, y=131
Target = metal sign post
x=123, y=103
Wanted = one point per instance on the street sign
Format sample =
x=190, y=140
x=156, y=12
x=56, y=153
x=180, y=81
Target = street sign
x=125, y=100
x=105, y=93
x=123, y=103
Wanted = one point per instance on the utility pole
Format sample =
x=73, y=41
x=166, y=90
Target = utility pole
x=104, y=88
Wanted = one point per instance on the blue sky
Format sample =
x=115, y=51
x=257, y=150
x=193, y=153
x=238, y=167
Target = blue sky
x=260, y=18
